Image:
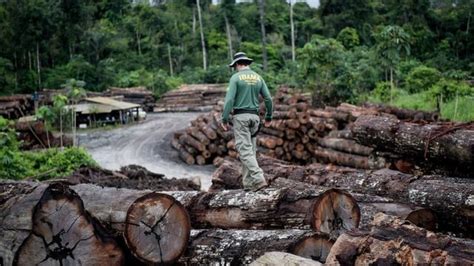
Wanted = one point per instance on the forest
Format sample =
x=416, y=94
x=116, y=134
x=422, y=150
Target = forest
x=410, y=53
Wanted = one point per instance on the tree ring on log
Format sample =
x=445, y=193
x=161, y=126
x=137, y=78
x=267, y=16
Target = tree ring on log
x=334, y=212
x=315, y=247
x=157, y=228
x=63, y=233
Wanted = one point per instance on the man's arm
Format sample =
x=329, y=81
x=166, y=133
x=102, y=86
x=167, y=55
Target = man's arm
x=268, y=102
x=229, y=100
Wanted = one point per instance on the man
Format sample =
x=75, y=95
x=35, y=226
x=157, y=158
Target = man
x=242, y=97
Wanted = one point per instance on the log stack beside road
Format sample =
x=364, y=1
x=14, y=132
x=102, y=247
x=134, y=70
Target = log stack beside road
x=192, y=97
x=16, y=106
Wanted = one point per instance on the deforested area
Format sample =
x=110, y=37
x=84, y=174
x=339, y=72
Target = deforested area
x=236, y=132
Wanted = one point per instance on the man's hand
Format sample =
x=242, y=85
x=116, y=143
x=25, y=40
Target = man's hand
x=225, y=126
x=267, y=123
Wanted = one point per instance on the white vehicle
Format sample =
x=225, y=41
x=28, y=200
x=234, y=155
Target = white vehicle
x=141, y=114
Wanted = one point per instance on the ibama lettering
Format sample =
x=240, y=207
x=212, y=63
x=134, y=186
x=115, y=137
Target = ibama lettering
x=250, y=79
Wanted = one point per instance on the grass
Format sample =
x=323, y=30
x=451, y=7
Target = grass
x=421, y=101
x=464, y=112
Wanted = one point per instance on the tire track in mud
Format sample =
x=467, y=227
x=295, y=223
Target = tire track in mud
x=146, y=144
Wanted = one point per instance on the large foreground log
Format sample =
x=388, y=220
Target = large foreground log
x=53, y=227
x=450, y=198
x=393, y=241
x=239, y=247
x=448, y=146
x=155, y=226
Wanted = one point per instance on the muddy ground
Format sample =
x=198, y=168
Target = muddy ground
x=147, y=144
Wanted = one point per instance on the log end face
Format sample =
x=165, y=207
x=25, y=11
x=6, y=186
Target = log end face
x=334, y=212
x=157, y=228
x=316, y=247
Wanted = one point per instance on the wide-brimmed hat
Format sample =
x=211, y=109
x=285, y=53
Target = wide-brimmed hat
x=240, y=56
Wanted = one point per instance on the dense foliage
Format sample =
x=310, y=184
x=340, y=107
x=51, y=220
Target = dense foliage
x=345, y=50
x=16, y=164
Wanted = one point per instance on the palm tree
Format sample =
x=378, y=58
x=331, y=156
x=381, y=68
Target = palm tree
x=392, y=43
x=59, y=102
x=47, y=115
x=76, y=92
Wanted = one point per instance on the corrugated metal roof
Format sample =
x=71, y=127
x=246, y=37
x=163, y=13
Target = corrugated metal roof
x=91, y=108
x=117, y=105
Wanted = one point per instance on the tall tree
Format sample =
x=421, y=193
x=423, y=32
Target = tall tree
x=264, y=37
x=203, y=41
x=392, y=44
x=292, y=25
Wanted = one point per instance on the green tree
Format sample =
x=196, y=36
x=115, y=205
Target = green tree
x=422, y=78
x=348, y=37
x=76, y=92
x=392, y=44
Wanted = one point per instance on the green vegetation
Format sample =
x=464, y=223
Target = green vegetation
x=16, y=164
x=345, y=50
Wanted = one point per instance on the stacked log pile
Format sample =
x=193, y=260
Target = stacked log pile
x=15, y=106
x=138, y=95
x=194, y=97
x=33, y=135
x=61, y=223
x=297, y=133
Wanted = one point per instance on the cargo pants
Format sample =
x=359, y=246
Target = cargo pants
x=246, y=125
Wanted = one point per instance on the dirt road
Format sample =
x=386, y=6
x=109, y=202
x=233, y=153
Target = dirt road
x=146, y=144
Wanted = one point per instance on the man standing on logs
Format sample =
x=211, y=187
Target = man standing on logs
x=242, y=97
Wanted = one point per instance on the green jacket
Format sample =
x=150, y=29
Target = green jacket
x=243, y=91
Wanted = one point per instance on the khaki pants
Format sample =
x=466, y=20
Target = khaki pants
x=245, y=125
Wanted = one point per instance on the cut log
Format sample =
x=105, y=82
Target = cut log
x=157, y=228
x=341, y=158
x=59, y=231
x=189, y=140
x=238, y=247
x=266, y=209
x=393, y=241
x=419, y=216
x=370, y=205
x=405, y=114
x=196, y=133
x=282, y=258
x=335, y=212
x=450, y=198
x=345, y=145
x=446, y=146
x=315, y=247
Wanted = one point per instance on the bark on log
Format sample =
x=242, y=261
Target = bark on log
x=448, y=146
x=345, y=145
x=341, y=158
x=450, y=198
x=392, y=241
x=405, y=114
x=238, y=247
x=370, y=205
